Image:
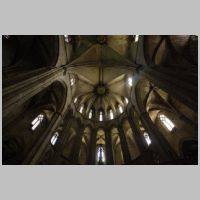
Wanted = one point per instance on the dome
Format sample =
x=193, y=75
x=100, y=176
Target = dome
x=101, y=79
x=105, y=90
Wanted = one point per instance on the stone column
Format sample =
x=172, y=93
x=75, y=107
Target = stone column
x=77, y=145
x=158, y=143
x=124, y=145
x=39, y=148
x=109, y=152
x=92, y=154
x=63, y=136
x=16, y=94
x=186, y=91
x=137, y=134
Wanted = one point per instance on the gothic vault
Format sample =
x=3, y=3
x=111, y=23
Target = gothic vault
x=100, y=99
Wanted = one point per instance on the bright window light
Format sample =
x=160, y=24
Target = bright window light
x=72, y=81
x=136, y=38
x=167, y=122
x=35, y=123
x=75, y=100
x=90, y=114
x=130, y=81
x=111, y=114
x=54, y=138
x=147, y=138
x=67, y=38
x=81, y=109
x=126, y=99
x=100, y=116
x=100, y=154
x=120, y=109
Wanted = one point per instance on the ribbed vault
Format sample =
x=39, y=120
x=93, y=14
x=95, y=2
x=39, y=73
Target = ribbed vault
x=99, y=81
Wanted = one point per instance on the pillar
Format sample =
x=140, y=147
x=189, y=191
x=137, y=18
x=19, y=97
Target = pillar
x=39, y=148
x=19, y=92
x=158, y=142
x=77, y=145
x=63, y=136
x=92, y=153
x=137, y=134
x=186, y=91
x=124, y=145
x=109, y=152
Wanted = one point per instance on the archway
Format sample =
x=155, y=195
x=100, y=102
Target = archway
x=30, y=122
x=172, y=119
x=131, y=142
x=85, y=146
x=100, y=147
x=116, y=147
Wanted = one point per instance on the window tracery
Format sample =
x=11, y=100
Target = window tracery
x=147, y=138
x=35, y=123
x=90, y=114
x=81, y=109
x=54, y=138
x=111, y=114
x=167, y=122
x=136, y=38
x=100, y=155
x=130, y=81
x=100, y=116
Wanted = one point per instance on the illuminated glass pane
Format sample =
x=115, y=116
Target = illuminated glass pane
x=67, y=38
x=136, y=38
x=111, y=114
x=147, y=138
x=126, y=99
x=72, y=81
x=130, y=81
x=81, y=109
x=167, y=122
x=90, y=114
x=100, y=116
x=100, y=154
x=54, y=138
x=120, y=109
x=75, y=100
x=35, y=123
